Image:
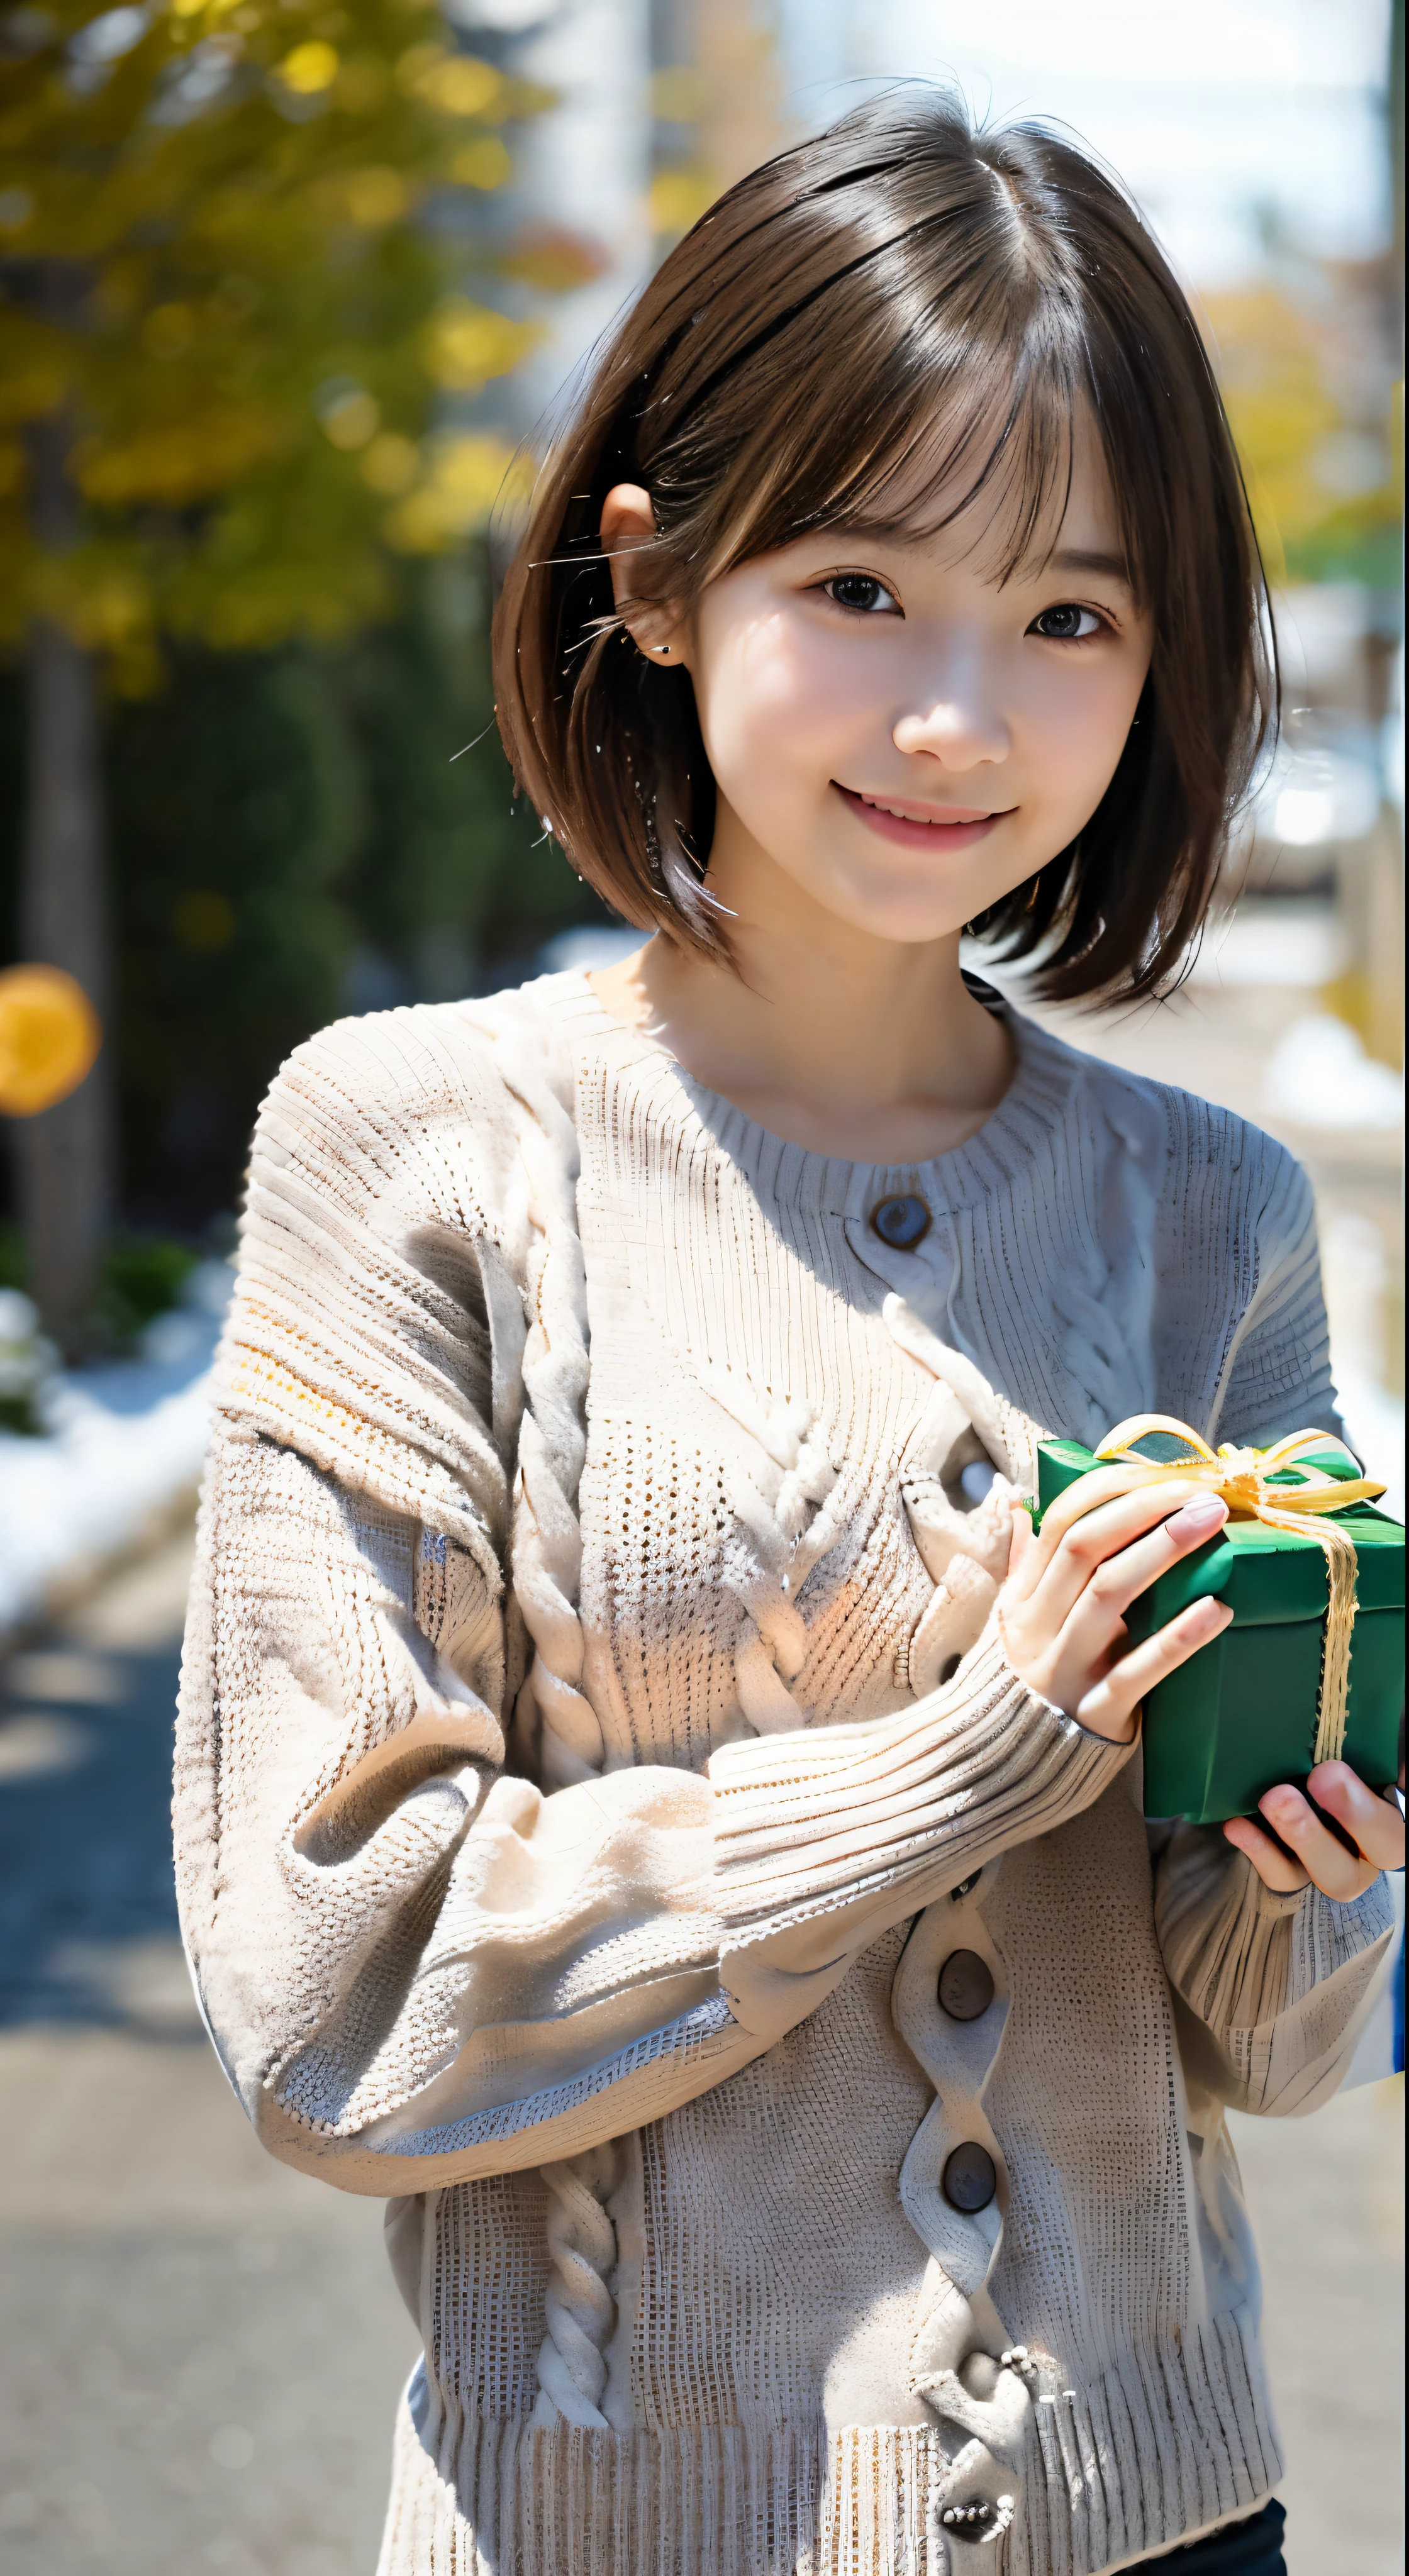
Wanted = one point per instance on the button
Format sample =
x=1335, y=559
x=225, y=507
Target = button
x=964, y=2518
x=902, y=1223
x=965, y=1887
x=965, y=1985
x=970, y=2178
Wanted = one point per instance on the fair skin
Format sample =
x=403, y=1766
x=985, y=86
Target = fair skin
x=899, y=738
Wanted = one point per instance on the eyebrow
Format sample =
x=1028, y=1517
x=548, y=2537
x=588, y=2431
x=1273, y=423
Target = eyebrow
x=1106, y=567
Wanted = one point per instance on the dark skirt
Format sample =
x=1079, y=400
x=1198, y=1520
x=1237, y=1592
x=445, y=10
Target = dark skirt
x=1251, y=2548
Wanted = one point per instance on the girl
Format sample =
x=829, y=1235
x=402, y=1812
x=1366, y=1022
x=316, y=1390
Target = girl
x=634, y=1811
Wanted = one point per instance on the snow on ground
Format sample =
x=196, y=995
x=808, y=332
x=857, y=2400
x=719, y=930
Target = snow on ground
x=123, y=1443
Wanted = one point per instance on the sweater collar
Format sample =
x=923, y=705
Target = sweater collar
x=1046, y=1077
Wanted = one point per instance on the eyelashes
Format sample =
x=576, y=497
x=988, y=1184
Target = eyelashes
x=869, y=596
x=1063, y=624
x=864, y=594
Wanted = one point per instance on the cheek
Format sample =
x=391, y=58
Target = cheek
x=773, y=710
x=1075, y=722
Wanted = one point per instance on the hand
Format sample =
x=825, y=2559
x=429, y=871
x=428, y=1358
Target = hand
x=1374, y=1824
x=1062, y=1608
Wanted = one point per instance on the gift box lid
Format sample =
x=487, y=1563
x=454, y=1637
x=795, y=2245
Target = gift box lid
x=1268, y=1576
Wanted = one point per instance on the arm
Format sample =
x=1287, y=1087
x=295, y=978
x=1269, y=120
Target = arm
x=416, y=1966
x=1276, y=1948
x=1278, y=1982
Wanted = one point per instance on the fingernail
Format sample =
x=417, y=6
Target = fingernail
x=1198, y=1520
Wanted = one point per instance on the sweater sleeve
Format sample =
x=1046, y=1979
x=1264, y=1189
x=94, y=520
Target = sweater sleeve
x=825, y=1837
x=417, y=1965
x=1277, y=1374
x=1277, y=1987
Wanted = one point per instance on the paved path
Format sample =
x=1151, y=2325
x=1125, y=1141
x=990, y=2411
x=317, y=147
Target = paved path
x=200, y=2351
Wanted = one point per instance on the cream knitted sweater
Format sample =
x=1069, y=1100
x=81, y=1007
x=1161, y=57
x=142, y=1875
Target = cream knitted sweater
x=595, y=1741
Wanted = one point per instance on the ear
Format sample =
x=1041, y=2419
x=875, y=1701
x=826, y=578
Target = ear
x=629, y=522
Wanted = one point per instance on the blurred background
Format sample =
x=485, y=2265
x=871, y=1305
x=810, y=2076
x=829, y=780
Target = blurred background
x=285, y=288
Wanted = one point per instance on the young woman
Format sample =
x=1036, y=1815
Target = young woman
x=634, y=1811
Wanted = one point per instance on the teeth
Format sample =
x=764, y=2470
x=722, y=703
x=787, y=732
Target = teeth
x=901, y=812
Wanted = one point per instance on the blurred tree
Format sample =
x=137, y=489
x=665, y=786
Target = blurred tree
x=225, y=320
x=1305, y=368
x=292, y=836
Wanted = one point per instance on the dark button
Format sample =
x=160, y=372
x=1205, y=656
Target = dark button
x=965, y=1985
x=970, y=2178
x=902, y=1223
x=969, y=2517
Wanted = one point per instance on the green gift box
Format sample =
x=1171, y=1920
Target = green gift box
x=1241, y=1714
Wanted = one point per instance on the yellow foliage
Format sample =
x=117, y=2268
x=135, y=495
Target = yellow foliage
x=174, y=462
x=350, y=418
x=678, y=94
x=376, y=197
x=310, y=68
x=468, y=478
x=390, y=465
x=1281, y=374
x=362, y=85
x=232, y=246
x=485, y=163
x=470, y=343
x=461, y=86
x=167, y=330
x=679, y=197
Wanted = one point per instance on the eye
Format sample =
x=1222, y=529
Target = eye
x=1068, y=624
x=861, y=591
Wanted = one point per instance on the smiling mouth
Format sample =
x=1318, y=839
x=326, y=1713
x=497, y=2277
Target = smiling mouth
x=922, y=826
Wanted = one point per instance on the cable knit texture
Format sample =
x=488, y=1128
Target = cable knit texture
x=596, y=1740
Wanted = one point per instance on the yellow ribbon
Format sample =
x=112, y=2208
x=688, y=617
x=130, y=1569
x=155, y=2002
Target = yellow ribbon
x=1241, y=1477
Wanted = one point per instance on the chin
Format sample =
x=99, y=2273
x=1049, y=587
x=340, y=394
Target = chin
x=907, y=918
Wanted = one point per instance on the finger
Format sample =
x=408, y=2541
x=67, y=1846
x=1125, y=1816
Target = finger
x=1104, y=1534
x=1325, y=1860
x=1374, y=1824
x=1111, y=1702
x=1021, y=1550
x=1108, y=1506
x=1106, y=1484
x=1274, y=1867
x=1098, y=1613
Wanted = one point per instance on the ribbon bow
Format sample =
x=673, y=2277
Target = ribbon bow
x=1243, y=1477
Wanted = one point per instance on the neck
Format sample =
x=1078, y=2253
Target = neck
x=846, y=1043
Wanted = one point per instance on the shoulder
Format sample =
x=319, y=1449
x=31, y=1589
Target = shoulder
x=420, y=1107
x=1195, y=1151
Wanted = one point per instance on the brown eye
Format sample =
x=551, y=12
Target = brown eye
x=859, y=590
x=1066, y=624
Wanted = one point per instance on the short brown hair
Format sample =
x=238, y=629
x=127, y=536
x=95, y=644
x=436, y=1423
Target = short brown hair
x=785, y=367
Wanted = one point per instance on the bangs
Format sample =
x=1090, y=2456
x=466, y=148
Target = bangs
x=939, y=369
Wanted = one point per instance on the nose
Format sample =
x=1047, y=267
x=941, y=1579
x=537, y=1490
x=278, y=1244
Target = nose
x=961, y=725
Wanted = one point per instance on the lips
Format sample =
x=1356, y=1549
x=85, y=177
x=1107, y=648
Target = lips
x=920, y=827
